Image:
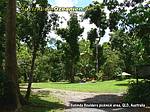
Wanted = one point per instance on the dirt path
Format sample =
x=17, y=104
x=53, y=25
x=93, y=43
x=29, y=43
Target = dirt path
x=81, y=100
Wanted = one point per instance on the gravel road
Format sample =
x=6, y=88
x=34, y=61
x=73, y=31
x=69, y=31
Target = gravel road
x=83, y=101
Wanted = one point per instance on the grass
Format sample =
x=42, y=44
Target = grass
x=43, y=102
x=111, y=86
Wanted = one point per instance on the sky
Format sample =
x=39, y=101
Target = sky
x=77, y=3
x=70, y=3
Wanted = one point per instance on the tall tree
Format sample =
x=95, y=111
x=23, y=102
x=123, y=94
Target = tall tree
x=37, y=38
x=33, y=27
x=135, y=22
x=70, y=35
x=10, y=61
x=92, y=36
x=130, y=47
x=96, y=14
x=113, y=64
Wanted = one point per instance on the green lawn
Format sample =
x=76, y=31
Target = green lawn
x=112, y=86
x=44, y=102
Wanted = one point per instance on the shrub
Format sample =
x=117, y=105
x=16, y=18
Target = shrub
x=100, y=75
x=77, y=79
x=80, y=75
x=138, y=93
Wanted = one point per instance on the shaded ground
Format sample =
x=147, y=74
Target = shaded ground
x=43, y=101
x=71, y=99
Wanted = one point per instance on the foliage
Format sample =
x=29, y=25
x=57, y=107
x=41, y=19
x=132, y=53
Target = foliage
x=70, y=35
x=92, y=36
x=71, y=59
x=35, y=32
x=50, y=66
x=113, y=64
x=136, y=23
x=130, y=47
x=138, y=93
x=33, y=25
x=84, y=66
x=97, y=15
x=24, y=59
x=78, y=77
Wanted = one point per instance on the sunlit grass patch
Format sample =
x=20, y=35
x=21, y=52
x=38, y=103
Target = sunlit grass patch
x=111, y=86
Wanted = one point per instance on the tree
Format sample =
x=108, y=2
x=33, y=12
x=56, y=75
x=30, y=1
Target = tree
x=130, y=47
x=140, y=27
x=50, y=65
x=84, y=65
x=32, y=29
x=113, y=64
x=70, y=35
x=92, y=36
x=10, y=61
x=136, y=23
x=95, y=12
x=38, y=37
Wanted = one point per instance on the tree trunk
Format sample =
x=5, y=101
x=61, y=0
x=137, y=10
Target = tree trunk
x=71, y=78
x=97, y=58
x=72, y=74
x=69, y=71
x=97, y=61
x=31, y=74
x=10, y=58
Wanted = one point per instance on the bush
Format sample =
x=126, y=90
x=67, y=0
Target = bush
x=80, y=75
x=138, y=93
x=100, y=75
x=77, y=79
